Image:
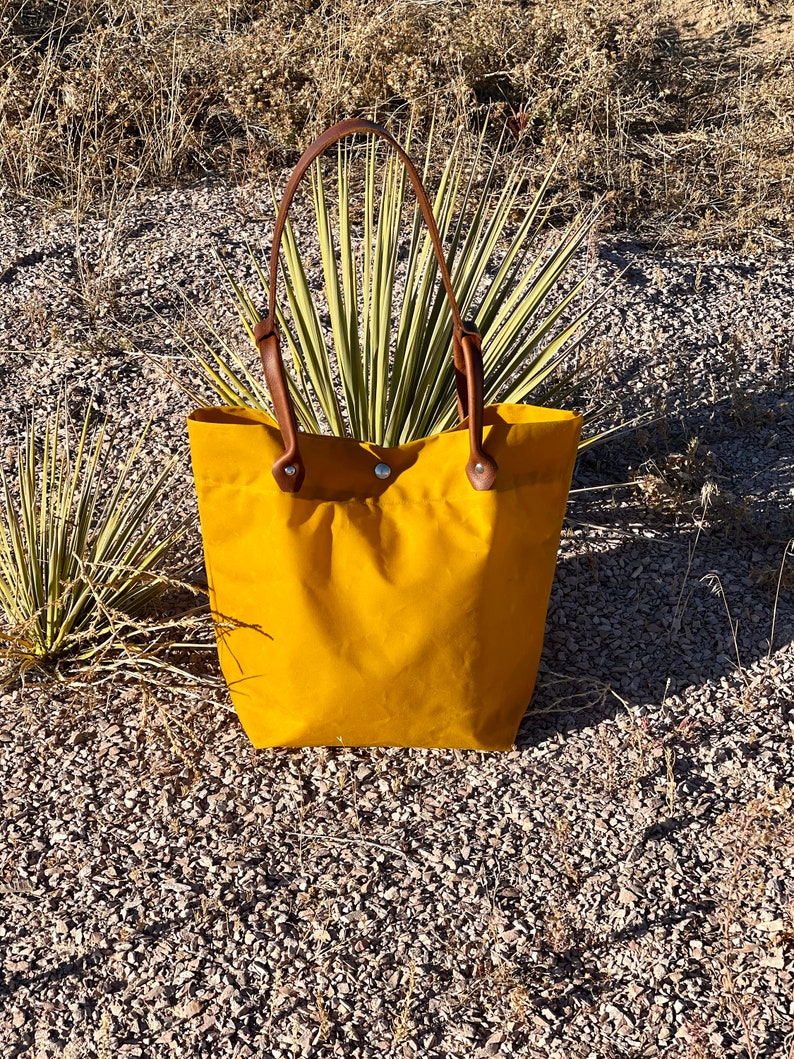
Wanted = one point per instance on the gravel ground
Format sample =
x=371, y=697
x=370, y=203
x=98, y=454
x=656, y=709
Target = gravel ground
x=618, y=885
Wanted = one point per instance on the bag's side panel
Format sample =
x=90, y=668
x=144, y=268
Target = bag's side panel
x=414, y=616
x=536, y=452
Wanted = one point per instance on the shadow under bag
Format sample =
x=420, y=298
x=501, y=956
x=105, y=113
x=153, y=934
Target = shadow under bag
x=372, y=596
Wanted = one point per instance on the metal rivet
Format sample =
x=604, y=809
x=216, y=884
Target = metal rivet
x=479, y=468
x=290, y=469
x=382, y=470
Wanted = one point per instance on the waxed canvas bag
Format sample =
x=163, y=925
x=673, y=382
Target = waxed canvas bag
x=373, y=596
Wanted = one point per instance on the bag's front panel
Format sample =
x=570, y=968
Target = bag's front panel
x=359, y=612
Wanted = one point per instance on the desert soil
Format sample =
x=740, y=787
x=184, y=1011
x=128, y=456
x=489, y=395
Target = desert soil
x=620, y=884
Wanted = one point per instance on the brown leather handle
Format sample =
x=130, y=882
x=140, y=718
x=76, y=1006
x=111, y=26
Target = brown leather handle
x=288, y=470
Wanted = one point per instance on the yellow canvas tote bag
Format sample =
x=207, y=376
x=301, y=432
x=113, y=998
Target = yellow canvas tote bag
x=381, y=596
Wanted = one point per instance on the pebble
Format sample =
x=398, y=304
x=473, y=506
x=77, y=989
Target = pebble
x=171, y=892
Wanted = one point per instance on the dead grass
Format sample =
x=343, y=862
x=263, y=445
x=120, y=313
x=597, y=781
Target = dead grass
x=759, y=845
x=681, y=112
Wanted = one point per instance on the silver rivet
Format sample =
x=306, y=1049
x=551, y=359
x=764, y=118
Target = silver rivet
x=382, y=470
x=290, y=469
x=479, y=468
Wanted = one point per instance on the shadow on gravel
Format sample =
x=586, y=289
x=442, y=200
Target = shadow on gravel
x=633, y=623
x=651, y=597
x=81, y=966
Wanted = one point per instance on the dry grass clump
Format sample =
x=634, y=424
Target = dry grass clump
x=756, y=944
x=681, y=110
x=101, y=94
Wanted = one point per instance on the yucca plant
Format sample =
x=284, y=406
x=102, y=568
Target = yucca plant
x=81, y=544
x=386, y=374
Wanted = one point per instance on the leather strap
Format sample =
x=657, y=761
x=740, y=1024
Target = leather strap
x=288, y=470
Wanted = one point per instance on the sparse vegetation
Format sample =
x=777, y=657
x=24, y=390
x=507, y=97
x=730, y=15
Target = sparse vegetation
x=758, y=840
x=390, y=351
x=682, y=114
x=81, y=545
x=621, y=883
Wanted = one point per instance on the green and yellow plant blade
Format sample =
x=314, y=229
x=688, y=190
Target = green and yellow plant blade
x=79, y=542
x=383, y=373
